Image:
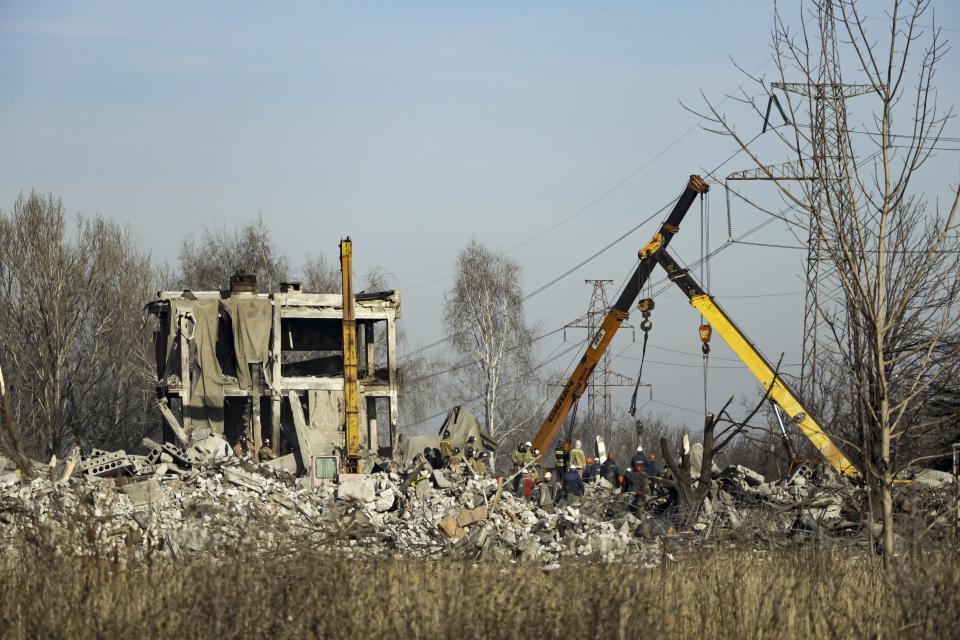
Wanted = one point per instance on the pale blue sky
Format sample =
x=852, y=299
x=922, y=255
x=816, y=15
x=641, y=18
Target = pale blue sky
x=412, y=127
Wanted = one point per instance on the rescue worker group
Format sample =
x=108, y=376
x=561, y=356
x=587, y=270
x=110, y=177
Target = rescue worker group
x=574, y=469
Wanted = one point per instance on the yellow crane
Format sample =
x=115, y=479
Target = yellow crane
x=655, y=253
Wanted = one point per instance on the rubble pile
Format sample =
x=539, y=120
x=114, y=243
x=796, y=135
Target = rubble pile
x=204, y=499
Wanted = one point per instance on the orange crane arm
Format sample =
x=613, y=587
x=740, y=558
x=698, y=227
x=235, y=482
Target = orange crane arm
x=619, y=312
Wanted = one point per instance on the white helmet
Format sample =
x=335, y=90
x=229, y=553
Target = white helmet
x=547, y=476
x=640, y=449
x=528, y=444
x=578, y=444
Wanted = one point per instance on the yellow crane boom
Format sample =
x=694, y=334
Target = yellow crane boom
x=780, y=391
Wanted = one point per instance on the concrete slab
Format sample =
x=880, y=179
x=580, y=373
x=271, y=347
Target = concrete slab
x=359, y=489
x=144, y=493
x=284, y=463
x=244, y=479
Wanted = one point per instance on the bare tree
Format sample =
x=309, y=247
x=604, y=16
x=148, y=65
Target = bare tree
x=894, y=259
x=485, y=323
x=71, y=327
x=377, y=279
x=690, y=485
x=209, y=263
x=420, y=390
x=10, y=445
x=321, y=275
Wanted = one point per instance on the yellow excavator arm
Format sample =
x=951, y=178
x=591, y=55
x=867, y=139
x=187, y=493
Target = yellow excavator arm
x=780, y=391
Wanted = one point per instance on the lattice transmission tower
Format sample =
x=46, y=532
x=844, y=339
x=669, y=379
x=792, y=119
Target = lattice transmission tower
x=604, y=378
x=825, y=163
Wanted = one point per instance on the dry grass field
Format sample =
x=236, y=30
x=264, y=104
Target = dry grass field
x=803, y=593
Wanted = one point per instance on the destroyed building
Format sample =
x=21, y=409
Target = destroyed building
x=270, y=366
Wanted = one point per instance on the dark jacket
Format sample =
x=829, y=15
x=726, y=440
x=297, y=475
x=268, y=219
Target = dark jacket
x=610, y=471
x=634, y=481
x=654, y=468
x=591, y=471
x=638, y=458
x=572, y=484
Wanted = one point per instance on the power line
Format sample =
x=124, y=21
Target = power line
x=781, y=294
x=912, y=136
x=698, y=366
x=674, y=406
x=514, y=380
x=603, y=250
x=888, y=19
x=468, y=362
x=856, y=251
x=589, y=205
x=597, y=254
x=637, y=171
x=698, y=356
x=557, y=279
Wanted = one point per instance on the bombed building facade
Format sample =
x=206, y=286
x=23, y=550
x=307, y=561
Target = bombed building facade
x=268, y=368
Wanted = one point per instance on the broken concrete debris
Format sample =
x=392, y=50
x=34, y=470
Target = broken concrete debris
x=203, y=499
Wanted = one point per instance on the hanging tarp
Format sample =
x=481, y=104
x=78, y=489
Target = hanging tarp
x=205, y=406
x=251, y=319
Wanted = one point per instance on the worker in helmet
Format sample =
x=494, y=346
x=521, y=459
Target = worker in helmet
x=446, y=446
x=524, y=479
x=560, y=459
x=517, y=458
x=639, y=457
x=635, y=480
x=470, y=459
x=457, y=459
x=635, y=484
x=610, y=471
x=545, y=493
x=653, y=465
x=578, y=460
x=240, y=448
x=530, y=457
x=572, y=485
x=266, y=453
x=477, y=463
x=591, y=470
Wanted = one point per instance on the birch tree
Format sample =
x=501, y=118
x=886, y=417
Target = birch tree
x=485, y=323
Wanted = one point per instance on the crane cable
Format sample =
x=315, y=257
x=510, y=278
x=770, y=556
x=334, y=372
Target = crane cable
x=646, y=307
x=643, y=355
x=705, y=330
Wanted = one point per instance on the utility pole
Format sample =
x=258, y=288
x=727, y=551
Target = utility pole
x=604, y=378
